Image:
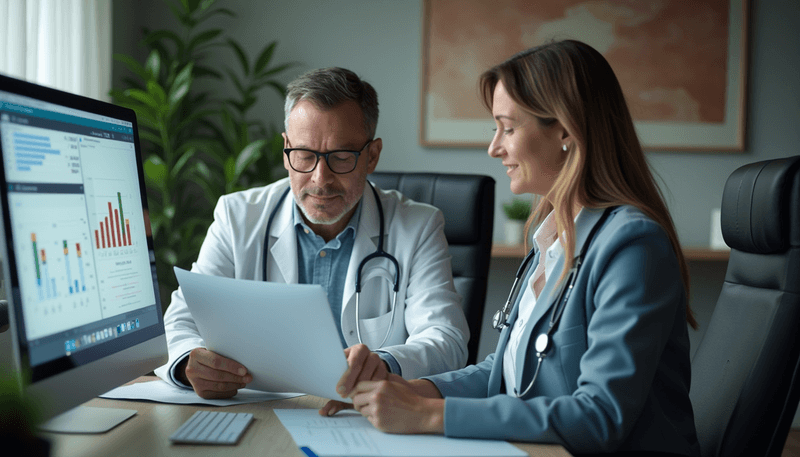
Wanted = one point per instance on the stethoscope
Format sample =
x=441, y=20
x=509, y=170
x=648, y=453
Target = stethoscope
x=379, y=252
x=544, y=342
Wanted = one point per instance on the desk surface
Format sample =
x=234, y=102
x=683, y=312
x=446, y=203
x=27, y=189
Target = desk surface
x=147, y=432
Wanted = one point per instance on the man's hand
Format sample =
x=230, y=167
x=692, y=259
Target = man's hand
x=362, y=365
x=211, y=375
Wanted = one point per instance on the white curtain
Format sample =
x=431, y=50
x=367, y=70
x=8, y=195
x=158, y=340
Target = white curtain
x=64, y=44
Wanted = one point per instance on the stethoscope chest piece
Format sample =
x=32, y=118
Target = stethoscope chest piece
x=542, y=344
x=500, y=320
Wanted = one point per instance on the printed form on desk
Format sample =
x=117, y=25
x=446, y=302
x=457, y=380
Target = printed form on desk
x=350, y=434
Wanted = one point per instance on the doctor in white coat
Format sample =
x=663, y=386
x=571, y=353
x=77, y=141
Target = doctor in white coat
x=322, y=222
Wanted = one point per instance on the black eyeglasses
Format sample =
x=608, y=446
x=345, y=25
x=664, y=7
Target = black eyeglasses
x=340, y=161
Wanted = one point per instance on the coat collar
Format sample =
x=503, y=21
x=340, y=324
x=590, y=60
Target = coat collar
x=284, y=241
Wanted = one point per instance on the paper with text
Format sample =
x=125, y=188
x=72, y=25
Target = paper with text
x=283, y=333
x=350, y=434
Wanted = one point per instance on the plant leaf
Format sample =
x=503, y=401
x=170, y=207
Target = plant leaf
x=156, y=172
x=154, y=38
x=143, y=97
x=132, y=65
x=157, y=92
x=204, y=37
x=278, y=69
x=153, y=64
x=237, y=49
x=265, y=57
x=248, y=155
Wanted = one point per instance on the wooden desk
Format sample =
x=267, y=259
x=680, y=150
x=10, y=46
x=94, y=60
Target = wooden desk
x=147, y=432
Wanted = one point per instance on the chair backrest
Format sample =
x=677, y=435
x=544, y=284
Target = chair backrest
x=467, y=202
x=745, y=385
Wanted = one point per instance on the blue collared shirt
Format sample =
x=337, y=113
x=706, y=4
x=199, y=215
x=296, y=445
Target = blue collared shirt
x=326, y=264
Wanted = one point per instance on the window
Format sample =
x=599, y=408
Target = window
x=65, y=44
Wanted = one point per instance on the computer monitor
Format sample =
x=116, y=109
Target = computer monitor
x=78, y=258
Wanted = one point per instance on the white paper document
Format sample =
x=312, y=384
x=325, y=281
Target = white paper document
x=350, y=434
x=163, y=392
x=283, y=333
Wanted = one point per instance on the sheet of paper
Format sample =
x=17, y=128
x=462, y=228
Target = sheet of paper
x=283, y=333
x=163, y=392
x=350, y=434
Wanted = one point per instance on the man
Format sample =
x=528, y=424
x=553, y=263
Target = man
x=321, y=222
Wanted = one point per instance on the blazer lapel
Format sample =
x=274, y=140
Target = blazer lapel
x=496, y=376
x=551, y=292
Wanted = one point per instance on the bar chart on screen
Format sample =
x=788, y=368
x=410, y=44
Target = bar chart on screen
x=118, y=243
x=55, y=261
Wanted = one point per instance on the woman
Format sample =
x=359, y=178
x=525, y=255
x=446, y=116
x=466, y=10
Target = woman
x=613, y=372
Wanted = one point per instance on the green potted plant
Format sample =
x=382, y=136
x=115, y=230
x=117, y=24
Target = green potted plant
x=517, y=212
x=197, y=147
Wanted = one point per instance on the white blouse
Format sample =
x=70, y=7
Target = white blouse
x=546, y=241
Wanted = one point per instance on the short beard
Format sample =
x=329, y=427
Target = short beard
x=328, y=220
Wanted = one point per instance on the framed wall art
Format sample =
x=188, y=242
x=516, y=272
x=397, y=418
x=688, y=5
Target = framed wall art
x=681, y=65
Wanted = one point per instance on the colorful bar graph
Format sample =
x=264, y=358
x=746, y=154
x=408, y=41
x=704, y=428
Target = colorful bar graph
x=114, y=230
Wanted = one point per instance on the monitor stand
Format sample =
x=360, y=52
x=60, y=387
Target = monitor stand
x=87, y=419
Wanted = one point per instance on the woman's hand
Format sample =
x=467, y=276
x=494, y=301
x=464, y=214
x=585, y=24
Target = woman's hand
x=399, y=406
x=362, y=365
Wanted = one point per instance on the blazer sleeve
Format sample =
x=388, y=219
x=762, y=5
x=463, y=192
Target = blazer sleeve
x=634, y=291
x=215, y=258
x=470, y=382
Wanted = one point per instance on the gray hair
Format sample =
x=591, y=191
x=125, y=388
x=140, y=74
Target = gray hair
x=327, y=88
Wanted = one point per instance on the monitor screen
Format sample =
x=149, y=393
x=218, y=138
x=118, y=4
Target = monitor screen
x=78, y=259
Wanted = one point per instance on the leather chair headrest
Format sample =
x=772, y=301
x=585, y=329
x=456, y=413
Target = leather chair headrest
x=756, y=205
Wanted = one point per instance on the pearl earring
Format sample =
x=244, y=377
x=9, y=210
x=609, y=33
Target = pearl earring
x=564, y=148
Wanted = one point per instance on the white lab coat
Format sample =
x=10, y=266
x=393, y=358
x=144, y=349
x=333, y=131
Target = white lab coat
x=429, y=333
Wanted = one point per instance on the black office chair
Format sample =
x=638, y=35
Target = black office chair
x=467, y=202
x=745, y=385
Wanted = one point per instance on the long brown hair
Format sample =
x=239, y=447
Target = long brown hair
x=571, y=83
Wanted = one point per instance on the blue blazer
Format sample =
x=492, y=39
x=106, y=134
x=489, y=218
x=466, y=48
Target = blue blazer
x=617, y=375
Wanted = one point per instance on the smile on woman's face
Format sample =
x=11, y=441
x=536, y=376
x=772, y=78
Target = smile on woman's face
x=530, y=152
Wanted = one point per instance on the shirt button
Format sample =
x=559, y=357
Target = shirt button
x=305, y=230
x=351, y=332
x=322, y=253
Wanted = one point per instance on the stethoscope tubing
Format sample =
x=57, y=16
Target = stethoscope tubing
x=379, y=252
